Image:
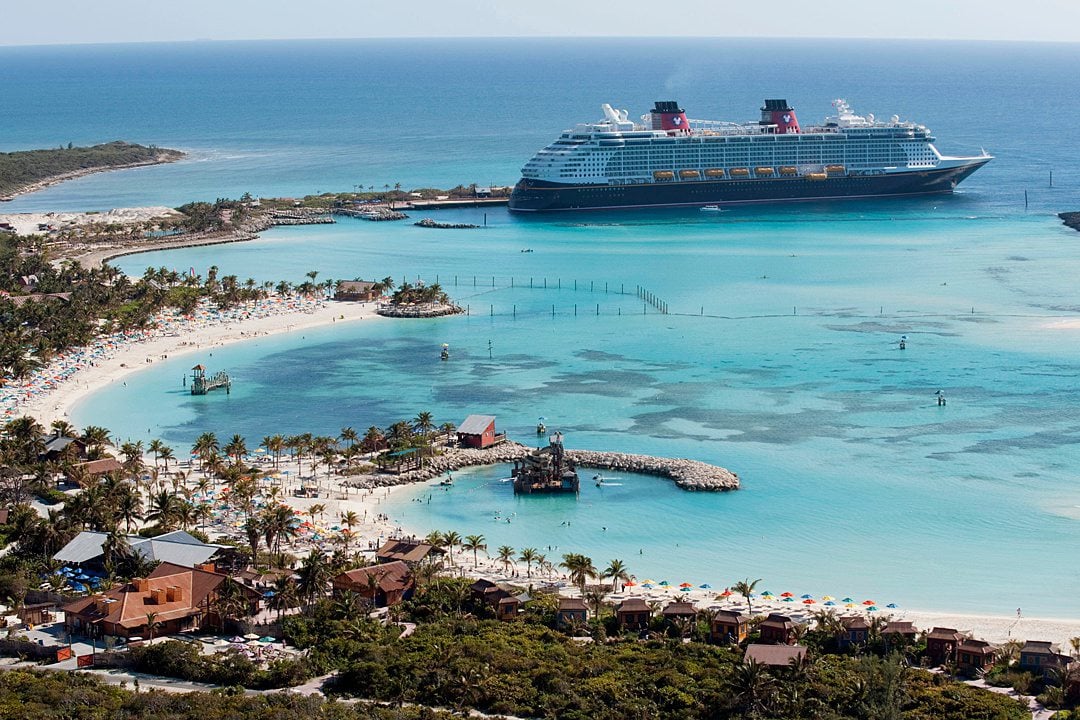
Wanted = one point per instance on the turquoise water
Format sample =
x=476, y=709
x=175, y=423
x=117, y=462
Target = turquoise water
x=779, y=359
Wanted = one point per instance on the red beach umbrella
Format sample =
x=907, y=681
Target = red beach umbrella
x=869, y=602
x=787, y=594
x=685, y=584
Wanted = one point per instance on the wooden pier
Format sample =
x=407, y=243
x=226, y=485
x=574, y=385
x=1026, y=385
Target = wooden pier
x=201, y=384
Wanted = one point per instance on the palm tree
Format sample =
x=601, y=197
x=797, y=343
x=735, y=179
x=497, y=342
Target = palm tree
x=236, y=449
x=474, y=543
x=528, y=556
x=152, y=624
x=155, y=447
x=254, y=532
x=423, y=423
x=580, y=569
x=349, y=435
x=746, y=589
x=349, y=519
x=752, y=688
x=506, y=556
x=451, y=540
x=205, y=446
x=616, y=570
x=373, y=439
x=165, y=453
x=316, y=509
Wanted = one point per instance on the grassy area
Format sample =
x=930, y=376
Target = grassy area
x=19, y=170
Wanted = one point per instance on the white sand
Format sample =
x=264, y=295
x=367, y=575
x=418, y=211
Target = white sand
x=27, y=223
x=49, y=400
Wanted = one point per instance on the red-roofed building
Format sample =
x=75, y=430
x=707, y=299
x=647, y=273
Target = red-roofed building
x=175, y=597
x=383, y=585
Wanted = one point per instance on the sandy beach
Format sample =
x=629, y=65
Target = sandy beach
x=51, y=392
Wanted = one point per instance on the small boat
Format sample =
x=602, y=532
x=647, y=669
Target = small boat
x=663, y=175
x=712, y=208
x=740, y=172
x=445, y=354
x=447, y=482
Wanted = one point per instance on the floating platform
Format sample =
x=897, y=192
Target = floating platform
x=545, y=470
x=201, y=383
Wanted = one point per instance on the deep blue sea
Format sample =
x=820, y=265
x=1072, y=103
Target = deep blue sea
x=779, y=359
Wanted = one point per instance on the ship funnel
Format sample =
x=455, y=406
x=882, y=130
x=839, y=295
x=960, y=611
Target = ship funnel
x=667, y=115
x=780, y=114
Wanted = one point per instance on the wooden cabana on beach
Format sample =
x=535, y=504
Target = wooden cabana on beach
x=678, y=610
x=410, y=553
x=777, y=629
x=854, y=631
x=382, y=585
x=729, y=626
x=572, y=611
x=633, y=614
x=941, y=644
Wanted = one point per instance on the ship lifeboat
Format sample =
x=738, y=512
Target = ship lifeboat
x=788, y=170
x=817, y=176
x=763, y=171
x=835, y=168
x=663, y=175
x=740, y=172
x=689, y=174
x=714, y=172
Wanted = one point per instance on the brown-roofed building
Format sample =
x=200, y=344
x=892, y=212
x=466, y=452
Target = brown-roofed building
x=941, y=645
x=855, y=631
x=633, y=613
x=899, y=632
x=678, y=609
x=20, y=300
x=180, y=599
x=777, y=629
x=729, y=626
x=95, y=469
x=505, y=600
x=1041, y=656
x=974, y=655
x=571, y=612
x=408, y=552
x=774, y=655
x=383, y=585
x=356, y=291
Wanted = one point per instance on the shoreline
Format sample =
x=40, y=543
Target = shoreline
x=55, y=400
x=162, y=159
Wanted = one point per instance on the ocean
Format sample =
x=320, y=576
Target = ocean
x=778, y=359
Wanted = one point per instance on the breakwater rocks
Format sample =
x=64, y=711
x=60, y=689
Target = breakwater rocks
x=300, y=216
x=1071, y=219
x=429, y=223
x=418, y=311
x=687, y=474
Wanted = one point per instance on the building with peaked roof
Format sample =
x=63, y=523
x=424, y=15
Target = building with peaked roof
x=178, y=547
x=382, y=585
x=777, y=629
x=677, y=609
x=1041, y=656
x=355, y=291
x=505, y=600
x=478, y=431
x=941, y=644
x=774, y=655
x=633, y=613
x=900, y=631
x=729, y=626
x=57, y=445
x=854, y=631
x=973, y=655
x=408, y=552
x=572, y=611
x=93, y=469
x=176, y=598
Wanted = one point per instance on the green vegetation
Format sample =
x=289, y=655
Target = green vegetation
x=28, y=695
x=23, y=168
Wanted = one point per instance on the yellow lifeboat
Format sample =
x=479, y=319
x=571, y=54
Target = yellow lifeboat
x=834, y=168
x=663, y=175
x=763, y=171
x=714, y=172
x=817, y=176
x=789, y=170
x=740, y=172
x=689, y=174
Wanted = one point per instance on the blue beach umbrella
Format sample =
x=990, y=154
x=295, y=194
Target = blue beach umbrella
x=892, y=605
x=872, y=608
x=269, y=593
x=830, y=603
x=706, y=586
x=684, y=589
x=847, y=600
x=664, y=583
x=789, y=599
x=808, y=597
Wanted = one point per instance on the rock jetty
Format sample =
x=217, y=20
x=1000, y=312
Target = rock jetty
x=687, y=474
x=1071, y=219
x=429, y=223
x=427, y=310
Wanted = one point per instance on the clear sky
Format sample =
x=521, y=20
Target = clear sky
x=31, y=22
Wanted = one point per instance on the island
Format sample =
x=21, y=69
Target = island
x=29, y=170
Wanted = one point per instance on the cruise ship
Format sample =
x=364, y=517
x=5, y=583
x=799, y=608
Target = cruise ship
x=668, y=160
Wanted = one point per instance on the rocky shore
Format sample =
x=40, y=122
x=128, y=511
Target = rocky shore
x=429, y=223
x=1071, y=219
x=687, y=474
x=418, y=311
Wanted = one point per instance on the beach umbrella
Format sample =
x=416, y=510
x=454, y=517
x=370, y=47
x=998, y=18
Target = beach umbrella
x=705, y=586
x=808, y=601
x=643, y=582
x=826, y=597
x=847, y=600
x=787, y=594
x=685, y=589
x=868, y=602
x=267, y=639
x=850, y=605
x=664, y=583
x=789, y=599
x=269, y=593
x=892, y=605
x=251, y=636
x=685, y=585
x=629, y=583
x=647, y=585
x=872, y=608
x=830, y=603
x=807, y=597
x=767, y=593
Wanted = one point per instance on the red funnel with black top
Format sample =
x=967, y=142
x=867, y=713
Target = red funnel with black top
x=780, y=114
x=667, y=115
